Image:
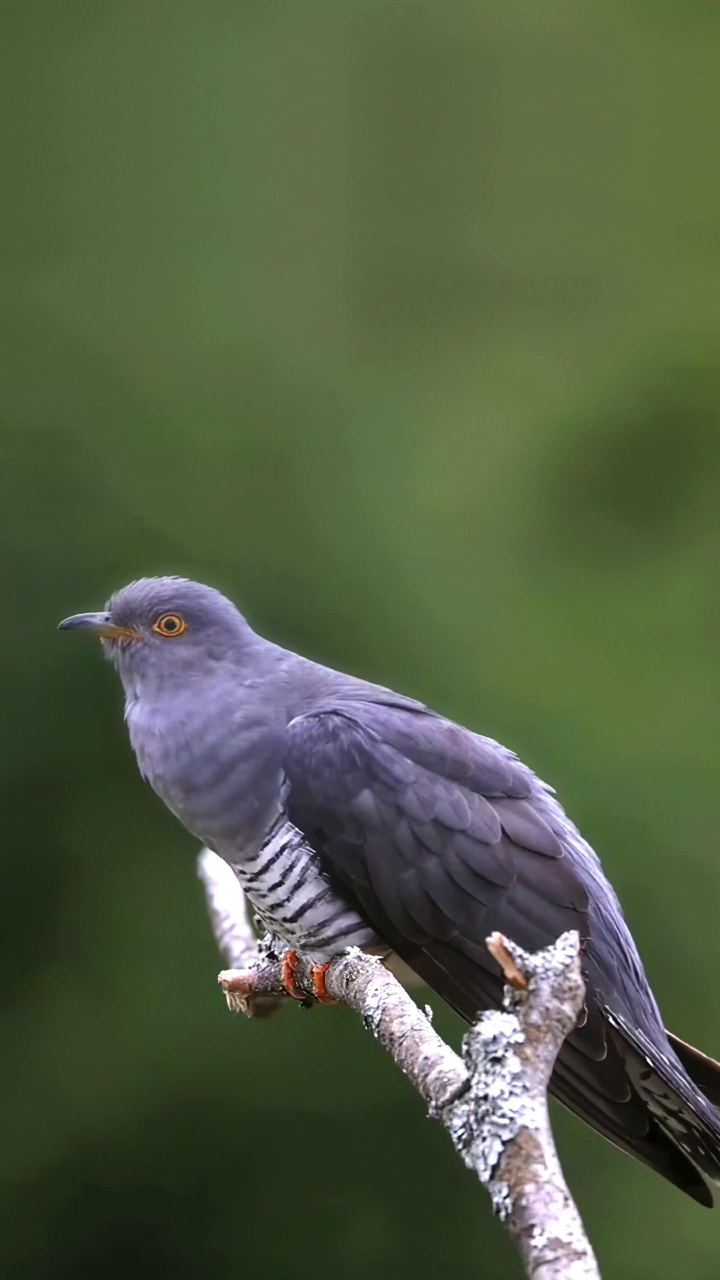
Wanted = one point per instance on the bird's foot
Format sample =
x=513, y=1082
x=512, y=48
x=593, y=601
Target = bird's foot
x=318, y=988
x=290, y=962
x=317, y=978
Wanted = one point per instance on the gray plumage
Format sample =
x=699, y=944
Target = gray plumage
x=428, y=838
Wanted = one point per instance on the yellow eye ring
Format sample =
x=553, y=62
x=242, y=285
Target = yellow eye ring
x=170, y=624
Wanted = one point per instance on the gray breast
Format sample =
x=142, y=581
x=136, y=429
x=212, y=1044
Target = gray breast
x=218, y=768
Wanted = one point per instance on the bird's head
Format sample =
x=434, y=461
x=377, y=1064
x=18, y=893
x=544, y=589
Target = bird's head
x=157, y=630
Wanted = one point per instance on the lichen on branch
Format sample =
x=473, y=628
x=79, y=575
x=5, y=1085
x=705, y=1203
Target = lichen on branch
x=492, y=1101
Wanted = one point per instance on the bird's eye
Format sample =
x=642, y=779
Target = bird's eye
x=170, y=624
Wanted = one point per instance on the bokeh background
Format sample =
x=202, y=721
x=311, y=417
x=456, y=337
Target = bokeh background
x=399, y=322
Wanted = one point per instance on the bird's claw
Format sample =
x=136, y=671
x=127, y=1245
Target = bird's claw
x=317, y=978
x=319, y=991
x=290, y=962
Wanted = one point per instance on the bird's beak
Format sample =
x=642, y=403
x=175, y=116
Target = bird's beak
x=99, y=624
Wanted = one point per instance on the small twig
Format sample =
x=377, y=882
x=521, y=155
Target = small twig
x=235, y=935
x=499, y=948
x=492, y=1100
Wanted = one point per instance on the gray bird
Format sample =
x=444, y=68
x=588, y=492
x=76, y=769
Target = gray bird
x=426, y=838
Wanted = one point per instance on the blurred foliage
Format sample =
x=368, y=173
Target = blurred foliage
x=398, y=322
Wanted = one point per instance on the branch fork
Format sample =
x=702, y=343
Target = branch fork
x=492, y=1100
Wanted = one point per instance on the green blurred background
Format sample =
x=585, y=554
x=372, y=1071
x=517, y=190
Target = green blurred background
x=399, y=322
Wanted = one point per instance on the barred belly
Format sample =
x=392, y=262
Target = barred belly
x=295, y=899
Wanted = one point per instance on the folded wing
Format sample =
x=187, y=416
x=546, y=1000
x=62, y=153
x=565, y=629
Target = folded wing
x=439, y=837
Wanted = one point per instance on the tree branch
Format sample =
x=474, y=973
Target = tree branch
x=233, y=930
x=492, y=1100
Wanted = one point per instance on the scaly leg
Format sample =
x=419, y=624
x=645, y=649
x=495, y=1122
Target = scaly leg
x=317, y=977
x=290, y=962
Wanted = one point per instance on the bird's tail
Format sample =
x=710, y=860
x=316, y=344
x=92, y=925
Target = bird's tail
x=682, y=1091
x=702, y=1070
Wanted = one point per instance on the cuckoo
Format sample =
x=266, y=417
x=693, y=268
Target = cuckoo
x=355, y=816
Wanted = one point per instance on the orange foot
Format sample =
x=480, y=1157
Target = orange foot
x=317, y=977
x=290, y=964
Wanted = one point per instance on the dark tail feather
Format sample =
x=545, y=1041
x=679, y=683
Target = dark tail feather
x=702, y=1070
x=673, y=1097
x=652, y=1147
x=634, y=1093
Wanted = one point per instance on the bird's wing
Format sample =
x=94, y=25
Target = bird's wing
x=432, y=827
x=440, y=837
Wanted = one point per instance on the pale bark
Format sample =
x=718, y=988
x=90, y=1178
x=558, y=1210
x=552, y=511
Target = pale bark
x=492, y=1100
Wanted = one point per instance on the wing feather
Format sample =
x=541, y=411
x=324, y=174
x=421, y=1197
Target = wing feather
x=440, y=836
